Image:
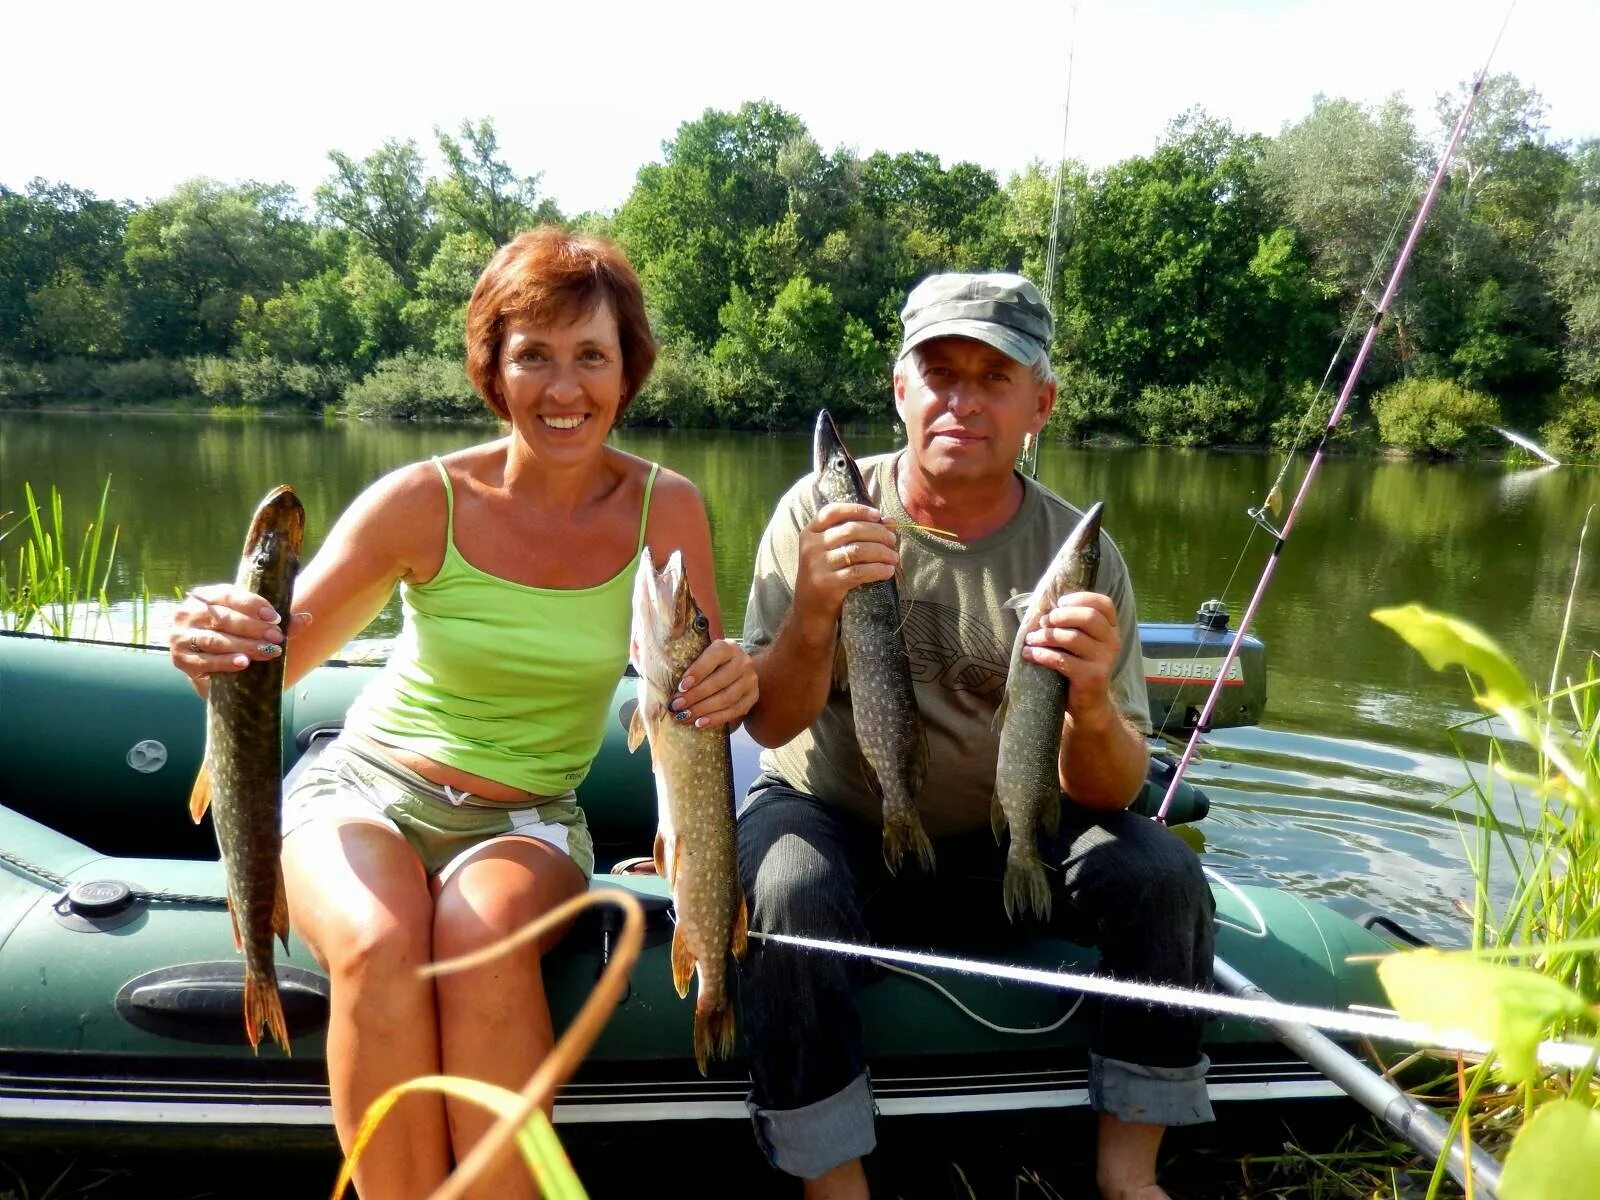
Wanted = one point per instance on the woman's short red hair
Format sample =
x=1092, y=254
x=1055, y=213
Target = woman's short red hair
x=550, y=276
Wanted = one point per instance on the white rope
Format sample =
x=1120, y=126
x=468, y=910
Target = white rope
x=984, y=1021
x=1565, y=1055
x=1260, y=931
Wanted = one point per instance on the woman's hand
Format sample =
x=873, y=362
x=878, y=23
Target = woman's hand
x=220, y=627
x=718, y=688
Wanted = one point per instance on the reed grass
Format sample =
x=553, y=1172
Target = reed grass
x=56, y=590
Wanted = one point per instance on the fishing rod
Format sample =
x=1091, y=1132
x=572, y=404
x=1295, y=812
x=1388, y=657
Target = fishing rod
x=1030, y=446
x=1261, y=514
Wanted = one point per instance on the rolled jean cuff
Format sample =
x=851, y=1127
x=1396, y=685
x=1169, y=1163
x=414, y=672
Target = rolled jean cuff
x=1149, y=1095
x=812, y=1140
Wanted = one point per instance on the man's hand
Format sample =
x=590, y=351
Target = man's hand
x=843, y=547
x=1079, y=640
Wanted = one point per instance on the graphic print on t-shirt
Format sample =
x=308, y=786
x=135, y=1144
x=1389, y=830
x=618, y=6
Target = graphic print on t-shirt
x=952, y=649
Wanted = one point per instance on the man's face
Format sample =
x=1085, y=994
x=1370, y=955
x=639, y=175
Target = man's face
x=967, y=407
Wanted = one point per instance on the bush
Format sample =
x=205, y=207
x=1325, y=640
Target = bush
x=1296, y=426
x=265, y=383
x=1433, y=416
x=143, y=381
x=1196, y=414
x=21, y=383
x=1087, y=403
x=679, y=392
x=1574, y=432
x=412, y=385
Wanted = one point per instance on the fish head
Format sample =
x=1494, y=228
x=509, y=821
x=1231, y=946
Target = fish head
x=838, y=479
x=669, y=628
x=1079, y=557
x=278, y=527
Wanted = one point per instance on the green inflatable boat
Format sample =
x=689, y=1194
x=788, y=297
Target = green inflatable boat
x=121, y=991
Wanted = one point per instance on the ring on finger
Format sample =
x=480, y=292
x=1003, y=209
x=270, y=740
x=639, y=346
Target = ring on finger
x=194, y=644
x=848, y=561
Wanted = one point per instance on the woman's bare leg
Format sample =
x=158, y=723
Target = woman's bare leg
x=494, y=1020
x=359, y=898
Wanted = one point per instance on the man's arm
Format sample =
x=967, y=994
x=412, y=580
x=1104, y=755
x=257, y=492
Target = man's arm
x=842, y=547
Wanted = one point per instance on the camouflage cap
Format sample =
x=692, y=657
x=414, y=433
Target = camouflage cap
x=999, y=309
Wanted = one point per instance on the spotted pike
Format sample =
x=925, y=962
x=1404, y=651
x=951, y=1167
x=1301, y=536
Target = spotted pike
x=877, y=672
x=1027, y=781
x=241, y=778
x=694, y=849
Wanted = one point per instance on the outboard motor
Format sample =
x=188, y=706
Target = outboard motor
x=1181, y=664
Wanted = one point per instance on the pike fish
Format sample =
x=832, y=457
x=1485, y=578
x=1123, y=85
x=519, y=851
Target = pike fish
x=1027, y=781
x=694, y=848
x=241, y=778
x=873, y=665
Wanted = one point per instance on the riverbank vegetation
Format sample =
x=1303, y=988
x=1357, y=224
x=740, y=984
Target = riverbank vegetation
x=1200, y=293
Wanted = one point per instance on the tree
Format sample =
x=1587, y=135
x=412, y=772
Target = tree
x=1575, y=281
x=192, y=256
x=481, y=194
x=383, y=200
x=57, y=241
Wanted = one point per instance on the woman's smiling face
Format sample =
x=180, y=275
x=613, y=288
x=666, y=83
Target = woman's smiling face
x=563, y=384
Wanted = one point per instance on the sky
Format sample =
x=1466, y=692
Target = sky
x=129, y=99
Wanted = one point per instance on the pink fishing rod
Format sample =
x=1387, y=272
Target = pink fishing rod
x=1282, y=535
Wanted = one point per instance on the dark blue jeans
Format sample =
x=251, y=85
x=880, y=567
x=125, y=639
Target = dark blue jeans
x=1126, y=885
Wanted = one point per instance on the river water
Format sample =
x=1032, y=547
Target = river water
x=1347, y=790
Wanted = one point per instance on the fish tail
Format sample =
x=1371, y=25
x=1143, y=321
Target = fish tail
x=263, y=1006
x=713, y=1034
x=1025, y=888
x=902, y=835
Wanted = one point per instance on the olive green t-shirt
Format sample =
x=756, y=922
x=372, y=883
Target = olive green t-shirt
x=958, y=636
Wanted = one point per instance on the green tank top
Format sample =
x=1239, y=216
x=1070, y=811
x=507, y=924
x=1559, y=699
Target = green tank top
x=510, y=682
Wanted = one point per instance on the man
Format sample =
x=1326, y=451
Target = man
x=972, y=379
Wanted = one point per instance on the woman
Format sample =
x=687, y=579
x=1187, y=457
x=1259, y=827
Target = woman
x=443, y=818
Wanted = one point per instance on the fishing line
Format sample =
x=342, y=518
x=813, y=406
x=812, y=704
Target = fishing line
x=981, y=1020
x=1353, y=375
x=1560, y=1055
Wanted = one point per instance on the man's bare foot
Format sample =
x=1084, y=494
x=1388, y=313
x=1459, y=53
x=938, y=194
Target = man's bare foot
x=847, y=1181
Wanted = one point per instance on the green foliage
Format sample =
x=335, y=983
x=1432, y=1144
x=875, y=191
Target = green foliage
x=51, y=587
x=1573, y=433
x=1196, y=414
x=412, y=386
x=1087, y=404
x=680, y=393
x=1303, y=415
x=1433, y=416
x=1550, y=921
x=437, y=316
x=1575, y=282
x=267, y=383
x=482, y=195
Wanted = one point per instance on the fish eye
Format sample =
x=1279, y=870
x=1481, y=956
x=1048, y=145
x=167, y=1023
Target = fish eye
x=700, y=622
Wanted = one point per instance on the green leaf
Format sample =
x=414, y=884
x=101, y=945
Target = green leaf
x=1556, y=1154
x=537, y=1141
x=1444, y=641
x=1508, y=1007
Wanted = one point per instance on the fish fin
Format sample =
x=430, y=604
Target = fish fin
x=713, y=1034
x=918, y=774
x=740, y=941
x=636, y=734
x=841, y=665
x=1050, y=814
x=997, y=817
x=682, y=960
x=1019, y=601
x=1025, y=887
x=659, y=853
x=200, y=795
x=999, y=717
x=280, y=912
x=870, y=775
x=263, y=1006
x=233, y=919
x=899, y=837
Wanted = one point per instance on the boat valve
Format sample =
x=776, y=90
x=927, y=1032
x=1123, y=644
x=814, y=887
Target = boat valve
x=96, y=904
